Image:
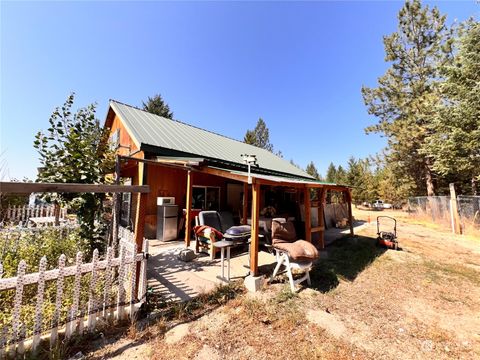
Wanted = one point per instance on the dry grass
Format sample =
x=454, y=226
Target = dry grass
x=422, y=302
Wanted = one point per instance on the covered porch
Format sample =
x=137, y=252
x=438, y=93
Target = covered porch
x=175, y=280
x=257, y=192
x=309, y=196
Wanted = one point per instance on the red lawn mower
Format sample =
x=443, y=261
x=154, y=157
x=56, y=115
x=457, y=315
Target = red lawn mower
x=387, y=239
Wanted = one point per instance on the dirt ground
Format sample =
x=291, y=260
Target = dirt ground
x=422, y=302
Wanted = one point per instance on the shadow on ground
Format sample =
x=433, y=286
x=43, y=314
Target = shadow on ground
x=345, y=259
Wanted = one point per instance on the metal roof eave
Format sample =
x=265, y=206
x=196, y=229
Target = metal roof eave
x=222, y=164
x=279, y=180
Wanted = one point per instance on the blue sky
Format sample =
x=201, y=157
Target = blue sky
x=220, y=66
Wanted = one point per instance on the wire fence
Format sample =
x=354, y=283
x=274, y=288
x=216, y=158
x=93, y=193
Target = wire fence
x=438, y=210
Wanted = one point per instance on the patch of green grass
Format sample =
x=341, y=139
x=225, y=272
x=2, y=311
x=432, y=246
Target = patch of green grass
x=457, y=271
x=347, y=257
x=285, y=294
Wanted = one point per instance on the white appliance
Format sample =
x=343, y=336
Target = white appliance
x=167, y=221
x=166, y=200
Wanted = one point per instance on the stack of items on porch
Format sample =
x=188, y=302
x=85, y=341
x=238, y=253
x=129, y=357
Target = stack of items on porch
x=336, y=215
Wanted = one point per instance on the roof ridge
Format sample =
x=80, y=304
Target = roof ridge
x=193, y=126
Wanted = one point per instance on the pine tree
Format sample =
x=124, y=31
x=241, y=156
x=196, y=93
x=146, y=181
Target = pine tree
x=407, y=95
x=156, y=105
x=260, y=136
x=250, y=138
x=360, y=176
x=454, y=143
x=331, y=175
x=341, y=176
x=312, y=170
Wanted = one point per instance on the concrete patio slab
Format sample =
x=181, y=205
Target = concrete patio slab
x=176, y=280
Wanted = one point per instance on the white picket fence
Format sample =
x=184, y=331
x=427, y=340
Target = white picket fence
x=117, y=299
x=21, y=214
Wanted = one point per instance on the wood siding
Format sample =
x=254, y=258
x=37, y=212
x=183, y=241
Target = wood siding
x=127, y=145
x=167, y=181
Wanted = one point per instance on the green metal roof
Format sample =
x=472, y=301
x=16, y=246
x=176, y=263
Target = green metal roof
x=155, y=133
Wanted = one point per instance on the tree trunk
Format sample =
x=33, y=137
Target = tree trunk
x=474, y=186
x=429, y=178
x=56, y=213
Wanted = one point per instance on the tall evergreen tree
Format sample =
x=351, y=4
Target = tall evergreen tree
x=260, y=136
x=312, y=170
x=407, y=95
x=331, y=176
x=156, y=105
x=341, y=176
x=250, y=137
x=454, y=140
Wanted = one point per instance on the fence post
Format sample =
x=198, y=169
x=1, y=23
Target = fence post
x=76, y=294
x=455, y=217
x=133, y=282
x=142, y=295
x=116, y=207
x=92, y=298
x=16, y=307
x=58, y=300
x=3, y=342
x=107, y=297
x=37, y=329
x=139, y=230
x=21, y=340
x=121, y=285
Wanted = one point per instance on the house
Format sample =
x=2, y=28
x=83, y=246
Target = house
x=205, y=170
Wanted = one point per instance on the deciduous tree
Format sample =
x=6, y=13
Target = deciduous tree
x=75, y=149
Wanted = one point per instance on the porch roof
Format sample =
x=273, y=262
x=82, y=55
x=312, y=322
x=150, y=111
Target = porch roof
x=264, y=179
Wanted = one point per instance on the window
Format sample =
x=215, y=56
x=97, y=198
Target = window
x=206, y=198
x=126, y=206
x=115, y=140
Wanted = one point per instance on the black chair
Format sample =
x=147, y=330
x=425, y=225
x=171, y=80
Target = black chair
x=212, y=226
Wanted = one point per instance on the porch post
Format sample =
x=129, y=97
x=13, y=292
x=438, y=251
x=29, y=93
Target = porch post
x=321, y=216
x=116, y=206
x=254, y=241
x=348, y=192
x=245, y=204
x=140, y=208
x=308, y=220
x=140, y=219
x=188, y=219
